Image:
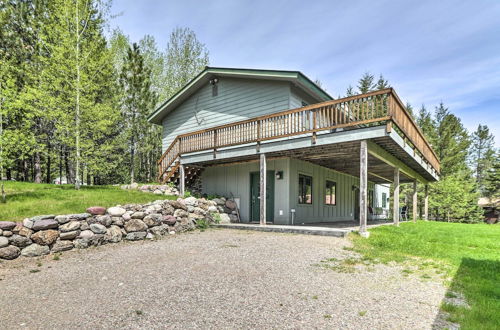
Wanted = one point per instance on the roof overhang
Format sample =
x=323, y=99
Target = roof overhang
x=203, y=78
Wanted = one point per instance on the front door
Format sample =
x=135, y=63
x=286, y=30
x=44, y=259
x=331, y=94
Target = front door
x=255, y=196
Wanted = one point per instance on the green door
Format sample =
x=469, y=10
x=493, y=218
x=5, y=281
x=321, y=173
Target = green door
x=255, y=200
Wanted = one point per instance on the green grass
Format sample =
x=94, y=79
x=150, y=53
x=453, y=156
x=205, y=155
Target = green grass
x=30, y=199
x=468, y=255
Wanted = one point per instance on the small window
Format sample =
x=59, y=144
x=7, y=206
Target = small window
x=330, y=191
x=304, y=104
x=384, y=200
x=370, y=198
x=305, y=189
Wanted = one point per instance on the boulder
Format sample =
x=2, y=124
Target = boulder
x=19, y=241
x=60, y=246
x=212, y=209
x=191, y=201
x=62, y=219
x=70, y=226
x=116, y=211
x=113, y=234
x=159, y=230
x=26, y=232
x=97, y=228
x=135, y=225
x=17, y=228
x=224, y=218
x=167, y=209
x=219, y=201
x=9, y=252
x=117, y=221
x=45, y=237
x=136, y=236
x=84, y=225
x=96, y=210
x=126, y=216
x=153, y=219
x=7, y=233
x=199, y=211
x=134, y=185
x=157, y=192
x=180, y=213
x=45, y=224
x=178, y=205
x=81, y=243
x=7, y=225
x=35, y=250
x=28, y=223
x=230, y=204
x=190, y=208
x=1, y=232
x=138, y=215
x=4, y=241
x=169, y=219
x=233, y=218
x=43, y=217
x=79, y=216
x=104, y=220
x=86, y=234
x=69, y=235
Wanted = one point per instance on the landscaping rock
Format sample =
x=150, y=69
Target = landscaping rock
x=45, y=237
x=43, y=217
x=180, y=213
x=212, y=209
x=7, y=225
x=116, y=211
x=136, y=236
x=97, y=228
x=1, y=232
x=199, y=211
x=86, y=234
x=26, y=232
x=81, y=243
x=70, y=226
x=19, y=241
x=168, y=209
x=178, y=205
x=219, y=201
x=117, y=221
x=17, y=228
x=60, y=246
x=96, y=210
x=28, y=223
x=45, y=224
x=169, y=219
x=135, y=225
x=4, y=241
x=9, y=252
x=126, y=216
x=62, y=219
x=84, y=226
x=113, y=234
x=230, y=204
x=7, y=233
x=69, y=235
x=104, y=220
x=138, y=215
x=192, y=201
x=159, y=230
x=35, y=250
x=152, y=220
x=224, y=218
x=79, y=216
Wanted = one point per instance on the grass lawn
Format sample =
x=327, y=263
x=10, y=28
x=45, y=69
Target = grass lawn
x=30, y=199
x=468, y=254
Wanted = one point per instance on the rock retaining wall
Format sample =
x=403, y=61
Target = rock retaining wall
x=155, y=189
x=44, y=234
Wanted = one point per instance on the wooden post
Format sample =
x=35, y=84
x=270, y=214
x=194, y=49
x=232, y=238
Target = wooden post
x=396, y=197
x=414, y=215
x=363, y=188
x=182, y=179
x=263, y=189
x=426, y=203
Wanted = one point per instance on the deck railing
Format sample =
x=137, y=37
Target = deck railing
x=370, y=109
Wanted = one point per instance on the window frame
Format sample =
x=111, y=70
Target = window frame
x=384, y=200
x=301, y=187
x=334, y=185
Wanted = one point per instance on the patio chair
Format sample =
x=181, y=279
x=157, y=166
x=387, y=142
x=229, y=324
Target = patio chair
x=403, y=214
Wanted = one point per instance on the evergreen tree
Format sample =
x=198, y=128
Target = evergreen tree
x=350, y=91
x=482, y=153
x=492, y=178
x=382, y=83
x=366, y=83
x=409, y=108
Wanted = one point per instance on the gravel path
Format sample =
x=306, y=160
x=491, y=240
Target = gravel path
x=219, y=279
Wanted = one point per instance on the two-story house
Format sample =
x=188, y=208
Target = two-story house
x=250, y=133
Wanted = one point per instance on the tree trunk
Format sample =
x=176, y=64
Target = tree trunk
x=49, y=149
x=132, y=158
x=69, y=169
x=60, y=164
x=26, y=170
x=38, y=168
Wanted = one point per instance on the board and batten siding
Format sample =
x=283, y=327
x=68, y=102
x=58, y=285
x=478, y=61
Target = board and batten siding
x=225, y=180
x=237, y=99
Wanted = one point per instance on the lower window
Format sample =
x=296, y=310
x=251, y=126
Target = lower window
x=330, y=192
x=305, y=189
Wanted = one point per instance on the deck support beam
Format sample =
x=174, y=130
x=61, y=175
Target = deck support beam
x=395, y=211
x=415, y=202
x=263, y=189
x=363, y=188
x=182, y=180
x=426, y=203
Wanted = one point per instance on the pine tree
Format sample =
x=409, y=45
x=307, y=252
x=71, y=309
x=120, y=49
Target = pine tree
x=350, y=91
x=492, y=178
x=365, y=83
x=382, y=83
x=482, y=153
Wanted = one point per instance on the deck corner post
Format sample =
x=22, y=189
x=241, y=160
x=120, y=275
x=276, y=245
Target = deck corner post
x=263, y=189
x=182, y=180
x=363, y=188
x=415, y=201
x=426, y=203
x=395, y=210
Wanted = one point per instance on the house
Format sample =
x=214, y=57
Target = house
x=248, y=133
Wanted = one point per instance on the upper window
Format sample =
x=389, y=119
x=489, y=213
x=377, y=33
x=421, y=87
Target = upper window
x=304, y=103
x=384, y=200
x=305, y=189
x=330, y=191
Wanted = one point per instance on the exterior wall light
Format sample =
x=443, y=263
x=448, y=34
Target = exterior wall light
x=279, y=175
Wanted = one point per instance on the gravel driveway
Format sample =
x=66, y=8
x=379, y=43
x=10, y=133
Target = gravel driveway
x=220, y=279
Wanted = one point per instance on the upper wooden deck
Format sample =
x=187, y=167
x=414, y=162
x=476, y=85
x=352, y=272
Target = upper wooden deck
x=371, y=109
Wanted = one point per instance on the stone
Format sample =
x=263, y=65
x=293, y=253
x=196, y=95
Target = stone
x=81, y=243
x=19, y=241
x=190, y=209
x=219, y=201
x=212, y=209
x=4, y=241
x=84, y=226
x=79, y=216
x=97, y=228
x=62, y=219
x=86, y=234
x=180, y=213
x=135, y=225
x=43, y=217
x=231, y=204
x=126, y=216
x=9, y=252
x=157, y=192
x=45, y=237
x=199, y=211
x=136, y=236
x=104, y=220
x=26, y=232
x=70, y=226
x=17, y=228
x=178, y=205
x=195, y=217
x=7, y=225
x=113, y=234
x=35, y=250
x=60, y=246
x=96, y=210
x=1, y=232
x=45, y=224
x=28, y=223
x=167, y=209
x=117, y=221
x=153, y=219
x=116, y=211
x=159, y=230
x=149, y=236
x=191, y=201
x=224, y=218
x=138, y=215
x=69, y=235
x=233, y=218
x=7, y=233
x=134, y=185
x=169, y=219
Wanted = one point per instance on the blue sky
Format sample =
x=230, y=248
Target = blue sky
x=430, y=51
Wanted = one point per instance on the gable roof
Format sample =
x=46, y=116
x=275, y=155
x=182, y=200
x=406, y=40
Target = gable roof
x=203, y=78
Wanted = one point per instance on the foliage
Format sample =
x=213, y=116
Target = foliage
x=465, y=253
x=492, y=178
x=482, y=155
x=202, y=224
